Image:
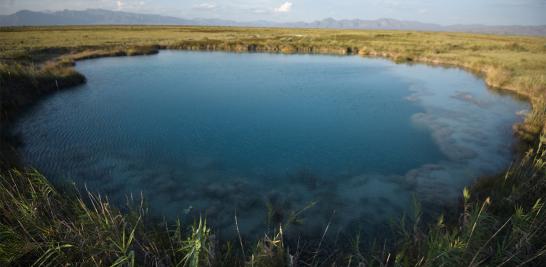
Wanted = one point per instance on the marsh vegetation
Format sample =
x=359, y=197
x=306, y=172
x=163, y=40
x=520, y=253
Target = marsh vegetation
x=501, y=219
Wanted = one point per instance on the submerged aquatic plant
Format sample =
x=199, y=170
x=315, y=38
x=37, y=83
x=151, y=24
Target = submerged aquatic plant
x=39, y=226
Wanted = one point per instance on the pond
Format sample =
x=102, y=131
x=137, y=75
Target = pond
x=302, y=140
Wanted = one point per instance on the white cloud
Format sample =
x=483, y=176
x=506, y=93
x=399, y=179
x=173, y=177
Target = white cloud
x=119, y=4
x=286, y=7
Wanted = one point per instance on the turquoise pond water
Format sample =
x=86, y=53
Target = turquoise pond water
x=211, y=134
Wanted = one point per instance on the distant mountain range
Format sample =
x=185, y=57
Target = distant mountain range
x=108, y=17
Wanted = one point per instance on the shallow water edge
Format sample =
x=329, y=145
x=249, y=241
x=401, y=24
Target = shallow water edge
x=434, y=125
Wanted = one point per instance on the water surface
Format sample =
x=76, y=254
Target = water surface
x=345, y=139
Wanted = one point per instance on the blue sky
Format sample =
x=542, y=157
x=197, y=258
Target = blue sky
x=494, y=12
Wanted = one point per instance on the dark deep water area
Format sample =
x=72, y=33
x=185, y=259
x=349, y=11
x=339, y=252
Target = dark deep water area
x=269, y=136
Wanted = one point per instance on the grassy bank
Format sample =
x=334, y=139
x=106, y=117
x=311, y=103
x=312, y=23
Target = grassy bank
x=502, y=220
x=34, y=60
x=513, y=63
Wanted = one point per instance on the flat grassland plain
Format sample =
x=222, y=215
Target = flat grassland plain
x=501, y=220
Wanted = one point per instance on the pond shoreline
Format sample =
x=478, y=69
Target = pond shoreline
x=65, y=78
x=69, y=61
x=488, y=195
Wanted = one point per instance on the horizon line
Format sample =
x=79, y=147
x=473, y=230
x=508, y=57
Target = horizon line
x=271, y=21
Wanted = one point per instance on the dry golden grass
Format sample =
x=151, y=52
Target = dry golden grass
x=515, y=63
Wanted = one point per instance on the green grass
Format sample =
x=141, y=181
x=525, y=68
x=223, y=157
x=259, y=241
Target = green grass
x=502, y=219
x=506, y=227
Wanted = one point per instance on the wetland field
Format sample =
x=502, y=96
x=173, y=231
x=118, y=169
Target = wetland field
x=225, y=146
